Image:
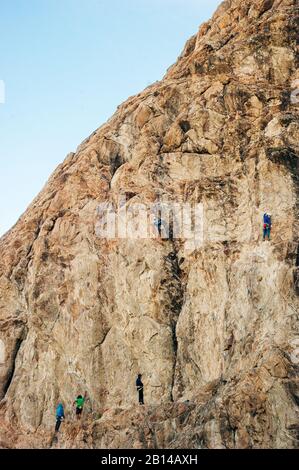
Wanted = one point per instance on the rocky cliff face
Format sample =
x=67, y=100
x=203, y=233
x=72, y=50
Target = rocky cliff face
x=211, y=328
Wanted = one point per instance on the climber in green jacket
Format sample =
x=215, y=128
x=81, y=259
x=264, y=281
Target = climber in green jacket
x=79, y=402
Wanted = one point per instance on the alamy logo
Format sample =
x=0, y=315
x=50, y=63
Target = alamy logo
x=168, y=220
x=2, y=92
x=2, y=352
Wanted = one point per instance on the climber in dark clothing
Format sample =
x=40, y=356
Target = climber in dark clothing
x=139, y=386
x=267, y=226
x=158, y=224
x=59, y=416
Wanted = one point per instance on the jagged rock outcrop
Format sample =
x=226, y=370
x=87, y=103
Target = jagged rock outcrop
x=213, y=328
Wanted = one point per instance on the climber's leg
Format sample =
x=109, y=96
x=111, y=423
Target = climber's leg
x=79, y=413
x=160, y=230
x=141, y=402
x=58, y=423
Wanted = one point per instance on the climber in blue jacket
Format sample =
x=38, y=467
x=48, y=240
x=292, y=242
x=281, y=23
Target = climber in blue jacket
x=59, y=416
x=267, y=226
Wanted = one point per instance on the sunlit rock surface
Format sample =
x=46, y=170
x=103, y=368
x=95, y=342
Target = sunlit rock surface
x=212, y=329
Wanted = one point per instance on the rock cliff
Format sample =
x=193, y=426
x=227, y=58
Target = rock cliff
x=212, y=328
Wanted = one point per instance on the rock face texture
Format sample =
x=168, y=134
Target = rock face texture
x=213, y=329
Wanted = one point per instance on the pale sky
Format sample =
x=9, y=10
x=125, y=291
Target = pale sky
x=66, y=66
